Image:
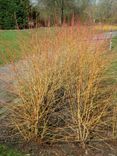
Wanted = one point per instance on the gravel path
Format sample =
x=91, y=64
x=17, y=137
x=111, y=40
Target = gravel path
x=5, y=84
x=112, y=34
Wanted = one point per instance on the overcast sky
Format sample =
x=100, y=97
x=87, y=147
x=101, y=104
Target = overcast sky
x=33, y=1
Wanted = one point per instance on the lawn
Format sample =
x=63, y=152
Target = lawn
x=115, y=43
x=11, y=42
x=10, y=45
x=113, y=70
x=4, y=151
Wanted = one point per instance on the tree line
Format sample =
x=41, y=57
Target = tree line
x=23, y=13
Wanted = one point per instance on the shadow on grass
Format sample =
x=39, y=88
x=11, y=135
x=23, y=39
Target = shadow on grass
x=5, y=151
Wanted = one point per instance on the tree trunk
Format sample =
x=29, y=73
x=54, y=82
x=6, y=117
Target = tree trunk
x=62, y=11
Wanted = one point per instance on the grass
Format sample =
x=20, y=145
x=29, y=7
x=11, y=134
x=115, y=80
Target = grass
x=10, y=45
x=113, y=68
x=114, y=41
x=4, y=151
x=11, y=42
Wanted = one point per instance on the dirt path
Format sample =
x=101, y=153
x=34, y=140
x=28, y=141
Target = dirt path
x=5, y=84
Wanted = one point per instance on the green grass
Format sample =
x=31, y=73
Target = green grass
x=112, y=72
x=11, y=42
x=10, y=45
x=4, y=151
x=114, y=64
x=114, y=41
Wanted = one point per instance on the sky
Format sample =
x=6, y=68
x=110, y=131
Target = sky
x=33, y=1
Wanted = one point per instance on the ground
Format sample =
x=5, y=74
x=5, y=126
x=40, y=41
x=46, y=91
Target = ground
x=69, y=149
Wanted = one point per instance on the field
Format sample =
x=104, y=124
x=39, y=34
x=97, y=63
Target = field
x=10, y=46
x=58, y=79
x=11, y=42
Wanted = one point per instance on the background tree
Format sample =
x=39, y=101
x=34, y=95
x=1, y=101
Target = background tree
x=22, y=8
x=7, y=14
x=55, y=9
x=14, y=13
x=105, y=11
x=64, y=9
x=19, y=13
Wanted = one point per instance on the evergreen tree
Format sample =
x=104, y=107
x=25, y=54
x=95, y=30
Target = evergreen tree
x=7, y=14
x=14, y=13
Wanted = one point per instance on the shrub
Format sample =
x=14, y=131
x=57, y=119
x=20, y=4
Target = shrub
x=62, y=90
